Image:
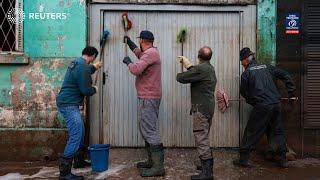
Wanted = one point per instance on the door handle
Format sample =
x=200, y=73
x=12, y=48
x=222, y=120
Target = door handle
x=104, y=77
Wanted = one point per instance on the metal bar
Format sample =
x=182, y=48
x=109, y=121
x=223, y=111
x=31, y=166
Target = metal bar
x=100, y=92
x=182, y=55
x=168, y=8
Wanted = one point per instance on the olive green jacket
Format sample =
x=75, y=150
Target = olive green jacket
x=203, y=83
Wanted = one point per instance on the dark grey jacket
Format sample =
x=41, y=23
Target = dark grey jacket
x=258, y=85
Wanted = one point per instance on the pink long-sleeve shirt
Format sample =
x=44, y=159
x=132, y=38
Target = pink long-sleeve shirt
x=148, y=73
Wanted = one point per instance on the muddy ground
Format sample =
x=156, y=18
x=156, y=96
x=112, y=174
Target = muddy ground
x=179, y=164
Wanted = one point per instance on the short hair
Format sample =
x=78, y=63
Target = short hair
x=90, y=51
x=205, y=53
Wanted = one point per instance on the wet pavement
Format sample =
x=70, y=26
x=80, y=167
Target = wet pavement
x=179, y=164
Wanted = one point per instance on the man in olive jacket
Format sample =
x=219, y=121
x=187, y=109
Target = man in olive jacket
x=203, y=82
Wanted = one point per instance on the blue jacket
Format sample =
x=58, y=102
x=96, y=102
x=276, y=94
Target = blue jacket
x=77, y=84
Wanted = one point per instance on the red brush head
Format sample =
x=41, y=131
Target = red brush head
x=126, y=22
x=129, y=24
x=125, y=14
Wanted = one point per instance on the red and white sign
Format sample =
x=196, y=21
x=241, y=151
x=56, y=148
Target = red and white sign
x=292, y=31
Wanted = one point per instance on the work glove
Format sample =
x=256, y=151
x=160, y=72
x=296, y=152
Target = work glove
x=127, y=60
x=96, y=88
x=130, y=43
x=185, y=62
x=97, y=64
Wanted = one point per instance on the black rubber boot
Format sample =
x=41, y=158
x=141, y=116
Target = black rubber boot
x=148, y=163
x=207, y=170
x=157, y=156
x=65, y=165
x=243, y=161
x=283, y=162
x=199, y=167
x=269, y=154
x=79, y=161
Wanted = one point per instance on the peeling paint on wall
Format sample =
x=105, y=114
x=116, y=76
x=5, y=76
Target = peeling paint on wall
x=33, y=94
x=82, y=2
x=61, y=39
x=28, y=92
x=266, y=31
x=6, y=85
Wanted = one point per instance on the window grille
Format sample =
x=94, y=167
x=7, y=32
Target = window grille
x=11, y=25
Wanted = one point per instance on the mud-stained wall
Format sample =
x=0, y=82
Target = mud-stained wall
x=29, y=100
x=28, y=91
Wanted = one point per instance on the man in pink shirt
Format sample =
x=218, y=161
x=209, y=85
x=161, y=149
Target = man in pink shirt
x=148, y=84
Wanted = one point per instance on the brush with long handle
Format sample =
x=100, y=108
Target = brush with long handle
x=181, y=38
x=127, y=25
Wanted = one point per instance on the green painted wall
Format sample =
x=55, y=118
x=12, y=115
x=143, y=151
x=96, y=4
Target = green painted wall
x=266, y=31
x=55, y=36
x=27, y=92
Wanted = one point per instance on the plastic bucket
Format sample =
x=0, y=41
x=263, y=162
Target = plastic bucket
x=99, y=155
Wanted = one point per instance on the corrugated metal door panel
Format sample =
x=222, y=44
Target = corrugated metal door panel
x=217, y=30
x=175, y=122
x=312, y=58
x=120, y=104
x=120, y=99
x=247, y=39
x=226, y=125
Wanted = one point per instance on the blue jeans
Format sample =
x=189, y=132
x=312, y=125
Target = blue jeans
x=75, y=126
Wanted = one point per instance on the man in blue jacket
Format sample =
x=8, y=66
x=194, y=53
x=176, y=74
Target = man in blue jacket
x=76, y=85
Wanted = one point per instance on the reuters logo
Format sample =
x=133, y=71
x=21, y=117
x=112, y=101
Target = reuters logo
x=16, y=15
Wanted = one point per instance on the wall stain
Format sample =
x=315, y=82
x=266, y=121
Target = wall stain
x=34, y=90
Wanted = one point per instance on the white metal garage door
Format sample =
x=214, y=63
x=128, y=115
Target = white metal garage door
x=220, y=30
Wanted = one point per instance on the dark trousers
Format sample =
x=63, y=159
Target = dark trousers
x=262, y=117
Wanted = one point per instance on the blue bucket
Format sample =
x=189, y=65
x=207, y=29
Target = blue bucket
x=99, y=155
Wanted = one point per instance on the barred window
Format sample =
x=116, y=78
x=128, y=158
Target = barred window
x=10, y=31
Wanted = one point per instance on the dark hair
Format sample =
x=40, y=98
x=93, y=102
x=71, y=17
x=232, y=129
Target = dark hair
x=90, y=51
x=205, y=53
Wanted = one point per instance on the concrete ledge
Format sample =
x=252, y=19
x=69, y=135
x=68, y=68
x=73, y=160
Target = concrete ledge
x=204, y=2
x=31, y=145
x=14, y=58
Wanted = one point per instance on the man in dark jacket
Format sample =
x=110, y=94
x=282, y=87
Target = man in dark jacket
x=203, y=82
x=259, y=89
x=76, y=85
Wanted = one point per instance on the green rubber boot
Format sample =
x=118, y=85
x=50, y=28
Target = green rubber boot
x=157, y=156
x=148, y=163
